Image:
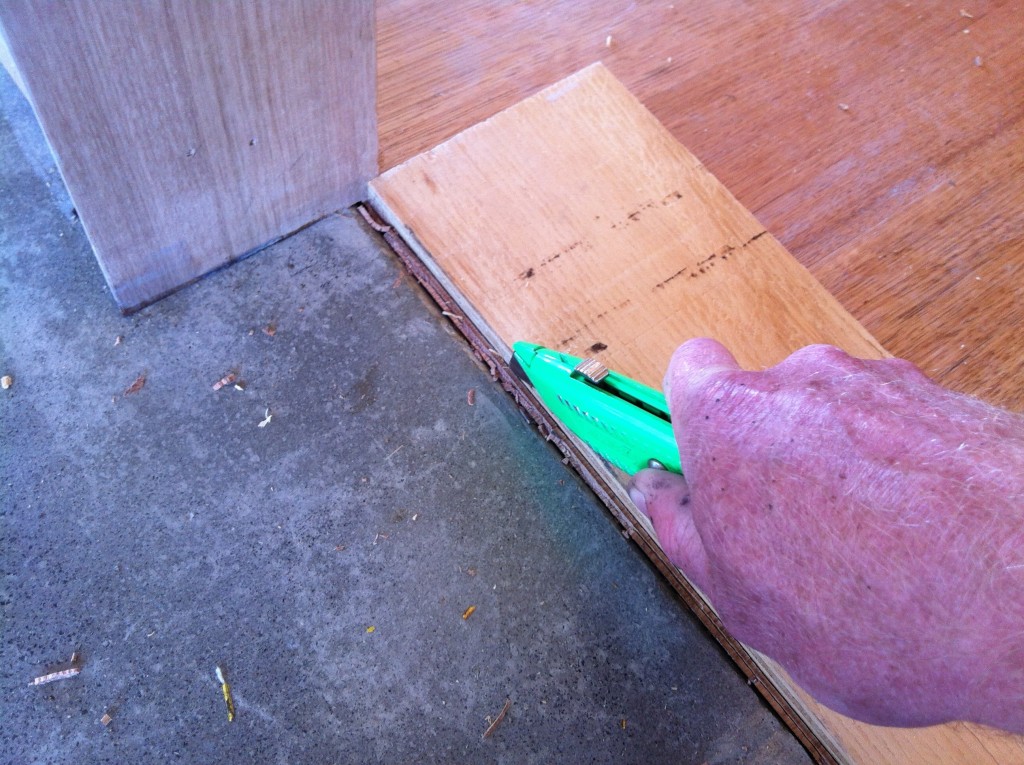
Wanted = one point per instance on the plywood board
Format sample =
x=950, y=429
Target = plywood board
x=190, y=134
x=907, y=204
x=574, y=219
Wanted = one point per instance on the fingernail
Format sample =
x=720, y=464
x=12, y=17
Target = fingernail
x=638, y=499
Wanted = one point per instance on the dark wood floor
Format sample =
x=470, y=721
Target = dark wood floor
x=882, y=143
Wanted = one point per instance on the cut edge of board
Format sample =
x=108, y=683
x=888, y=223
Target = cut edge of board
x=761, y=672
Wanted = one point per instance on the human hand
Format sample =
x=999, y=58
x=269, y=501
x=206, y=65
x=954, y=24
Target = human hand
x=856, y=522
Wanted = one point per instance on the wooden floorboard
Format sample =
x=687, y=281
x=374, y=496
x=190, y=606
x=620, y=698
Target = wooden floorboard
x=576, y=220
x=880, y=142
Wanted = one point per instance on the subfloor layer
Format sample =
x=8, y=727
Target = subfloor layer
x=324, y=560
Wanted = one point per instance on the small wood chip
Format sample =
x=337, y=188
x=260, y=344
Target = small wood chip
x=844, y=107
x=136, y=386
x=6, y=382
x=270, y=330
x=471, y=396
x=965, y=14
x=497, y=720
x=379, y=227
x=267, y=416
x=118, y=340
x=608, y=41
x=468, y=612
x=106, y=719
x=622, y=723
x=227, y=379
x=225, y=689
x=371, y=629
x=63, y=674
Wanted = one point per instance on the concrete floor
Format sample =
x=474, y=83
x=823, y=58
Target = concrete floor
x=324, y=560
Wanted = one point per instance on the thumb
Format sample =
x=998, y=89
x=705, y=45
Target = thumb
x=694, y=361
x=664, y=497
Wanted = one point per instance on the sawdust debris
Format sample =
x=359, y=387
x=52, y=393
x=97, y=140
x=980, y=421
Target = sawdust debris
x=497, y=720
x=136, y=386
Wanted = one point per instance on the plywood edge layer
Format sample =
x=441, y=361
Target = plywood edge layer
x=762, y=673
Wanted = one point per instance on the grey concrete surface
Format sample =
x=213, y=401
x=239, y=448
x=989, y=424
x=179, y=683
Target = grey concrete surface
x=162, y=532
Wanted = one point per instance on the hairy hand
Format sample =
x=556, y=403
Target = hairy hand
x=856, y=522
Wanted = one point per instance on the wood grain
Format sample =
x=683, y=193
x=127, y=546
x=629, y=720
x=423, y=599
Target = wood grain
x=7, y=62
x=897, y=204
x=576, y=220
x=192, y=134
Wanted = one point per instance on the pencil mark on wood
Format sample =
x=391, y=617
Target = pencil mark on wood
x=634, y=216
x=575, y=247
x=705, y=265
x=587, y=324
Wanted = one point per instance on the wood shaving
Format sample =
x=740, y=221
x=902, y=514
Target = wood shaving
x=471, y=396
x=497, y=720
x=136, y=386
x=6, y=382
x=270, y=330
x=50, y=677
x=267, y=416
x=468, y=612
x=225, y=689
x=965, y=14
x=227, y=379
x=368, y=217
x=118, y=340
x=106, y=719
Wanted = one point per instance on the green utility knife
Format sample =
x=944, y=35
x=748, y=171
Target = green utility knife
x=624, y=421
